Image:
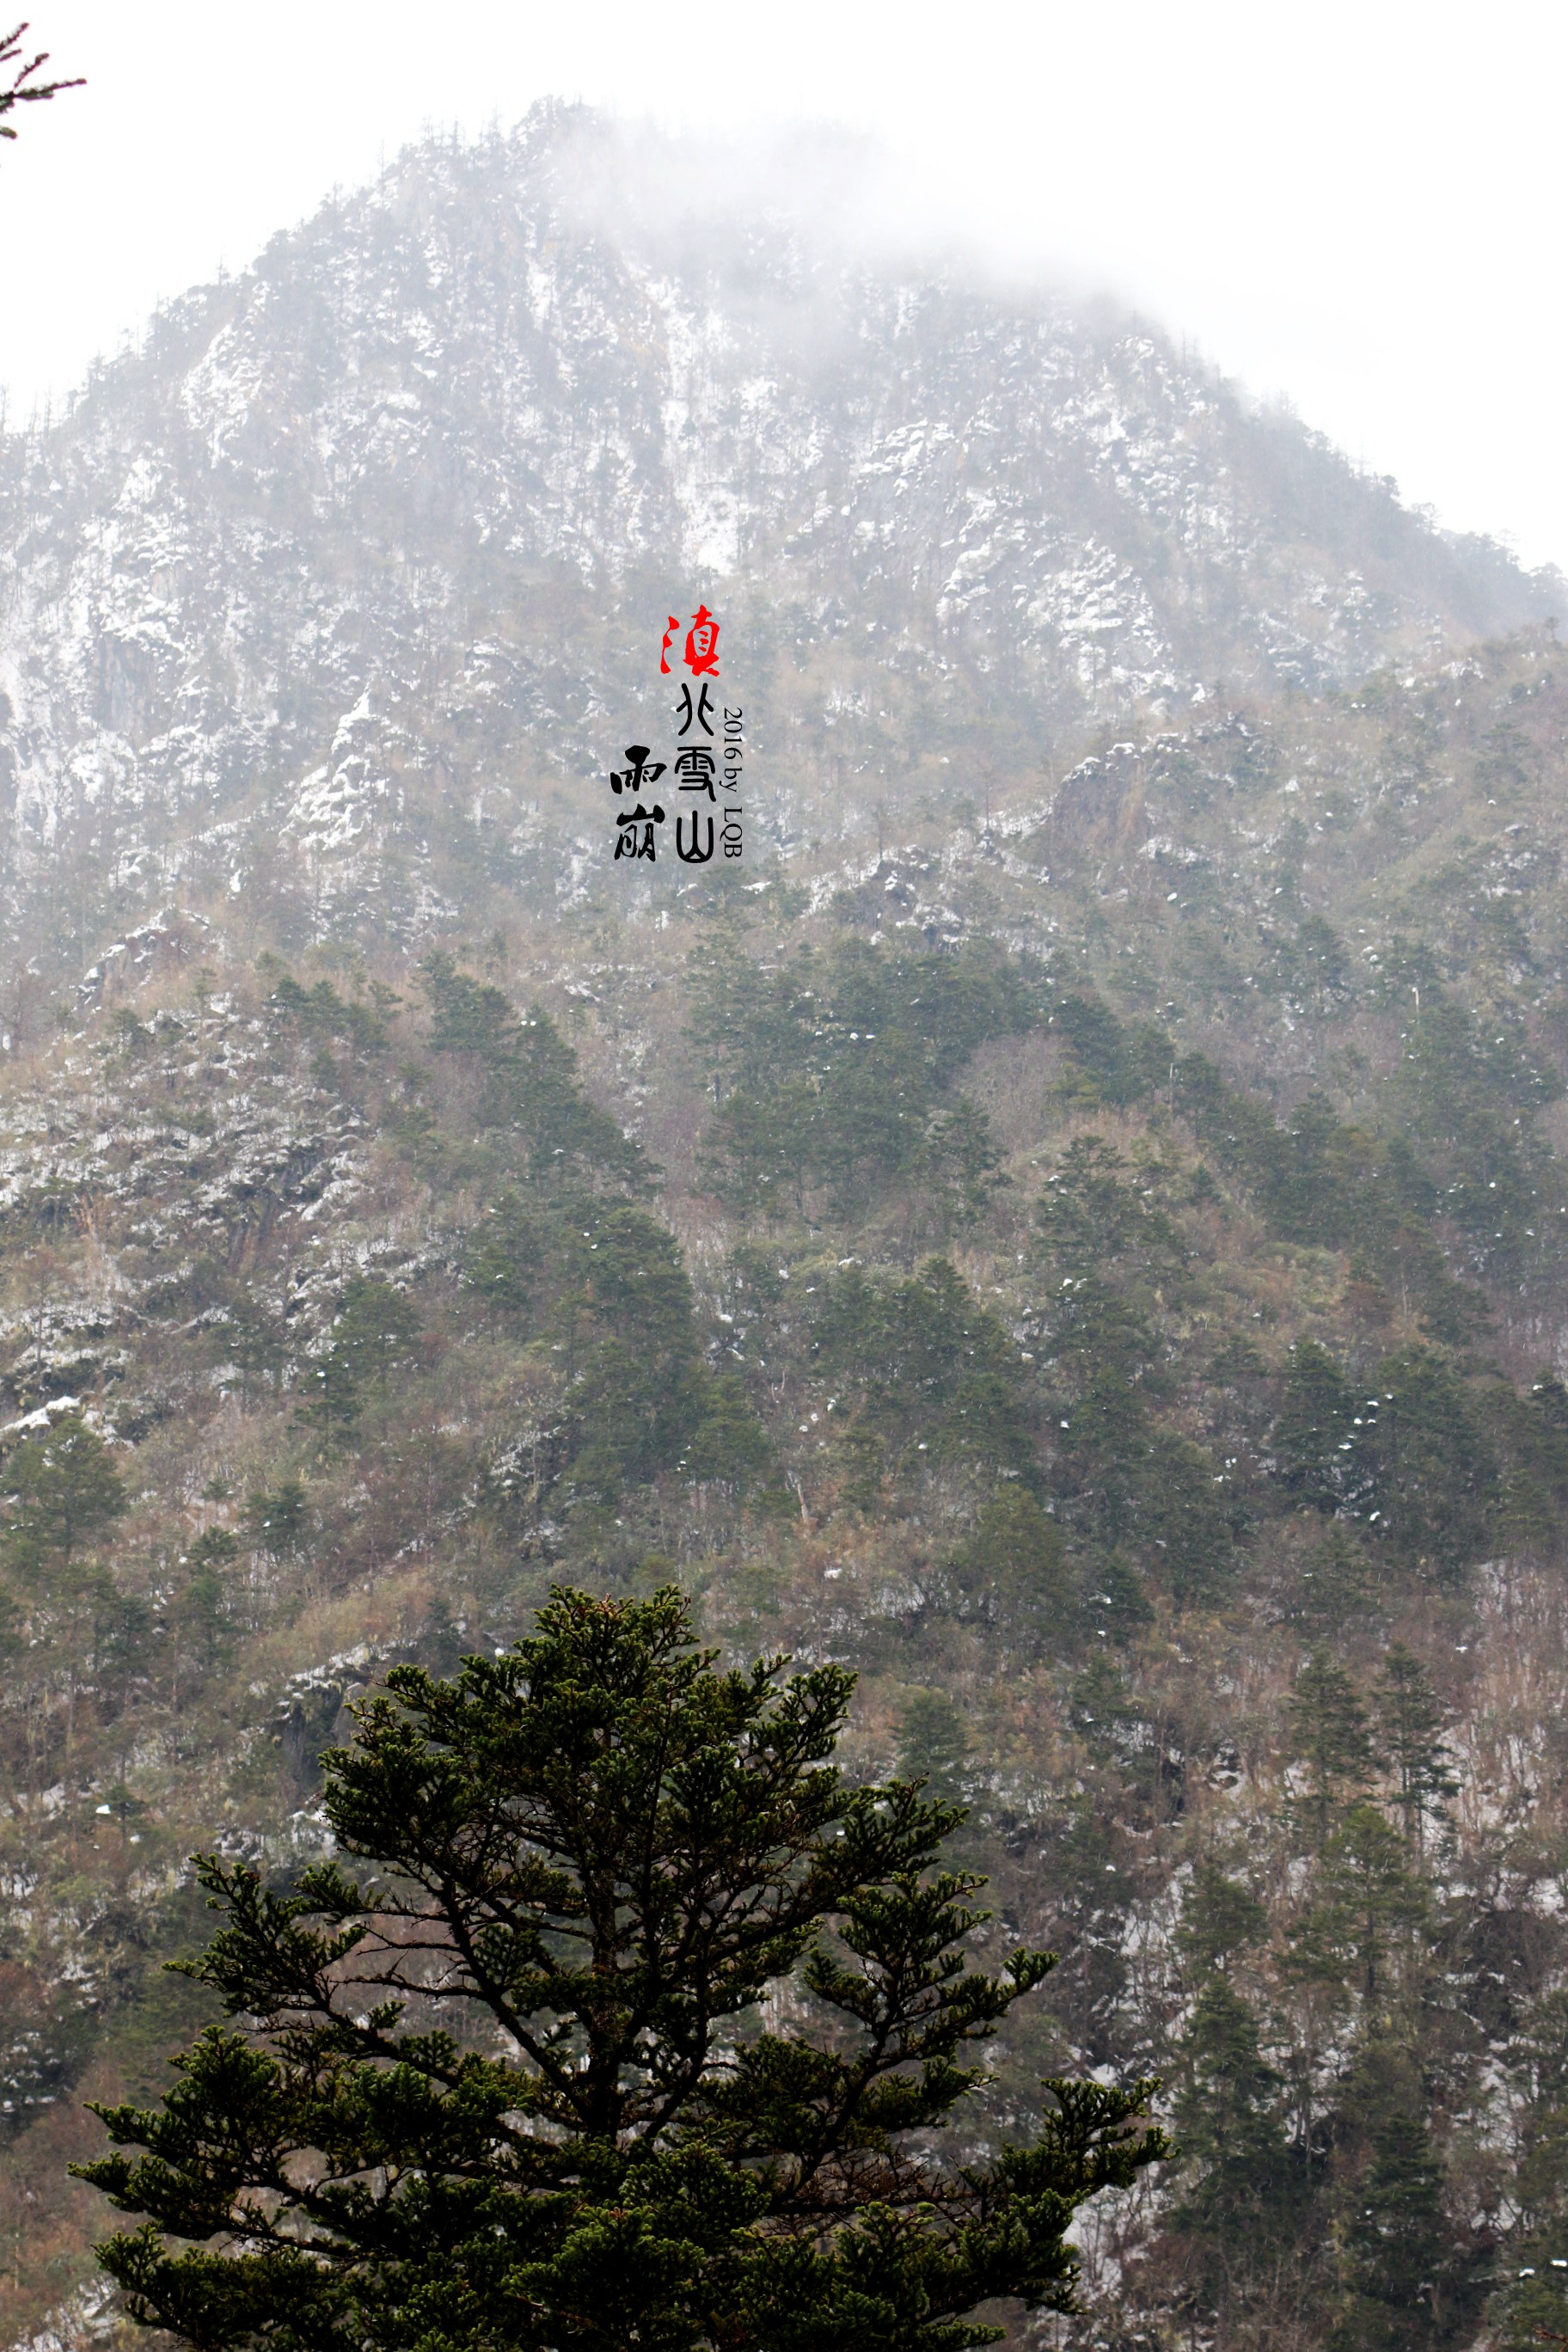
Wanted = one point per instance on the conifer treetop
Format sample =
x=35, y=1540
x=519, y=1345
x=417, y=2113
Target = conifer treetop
x=516, y=2083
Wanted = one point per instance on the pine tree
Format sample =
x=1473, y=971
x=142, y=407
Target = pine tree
x=1229, y=2120
x=1372, y=1901
x=1533, y=2305
x=1011, y=1568
x=1333, y=1585
x=375, y=1332
x=529, y=1075
x=206, y=1618
x=1328, y=1735
x=1241, y=2175
x=1220, y=1918
x=507, y=2088
x=629, y=1321
x=254, y=1341
x=934, y=1745
x=1410, y=1722
x=1114, y=1602
x=504, y=1256
x=1397, y=2242
x=275, y=1520
x=61, y=1491
x=1314, y=1436
x=963, y=1161
x=1432, y=1471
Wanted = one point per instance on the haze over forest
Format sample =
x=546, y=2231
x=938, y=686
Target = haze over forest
x=1072, y=1225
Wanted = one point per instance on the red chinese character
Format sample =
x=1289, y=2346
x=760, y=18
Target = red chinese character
x=664, y=649
x=702, y=644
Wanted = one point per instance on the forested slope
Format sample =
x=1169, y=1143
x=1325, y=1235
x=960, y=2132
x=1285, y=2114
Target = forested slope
x=1105, y=1284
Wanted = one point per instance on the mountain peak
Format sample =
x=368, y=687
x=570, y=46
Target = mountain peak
x=457, y=440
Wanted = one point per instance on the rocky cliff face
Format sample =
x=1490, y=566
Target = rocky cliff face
x=340, y=591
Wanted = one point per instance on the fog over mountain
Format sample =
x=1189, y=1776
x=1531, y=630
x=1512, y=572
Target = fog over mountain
x=357, y=559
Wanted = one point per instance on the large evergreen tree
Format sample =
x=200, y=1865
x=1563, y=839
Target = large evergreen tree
x=1396, y=2250
x=1328, y=1737
x=59, y=1491
x=514, y=2085
x=1230, y=2126
x=1410, y=1720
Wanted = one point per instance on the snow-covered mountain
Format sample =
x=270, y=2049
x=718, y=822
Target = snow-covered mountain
x=338, y=596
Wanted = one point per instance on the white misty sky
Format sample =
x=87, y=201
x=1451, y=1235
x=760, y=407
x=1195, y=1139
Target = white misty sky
x=1356, y=206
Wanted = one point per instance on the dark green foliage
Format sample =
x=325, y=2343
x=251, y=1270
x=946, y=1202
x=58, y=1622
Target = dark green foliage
x=320, y=1012
x=729, y=1446
x=829, y=1070
x=1241, y=2180
x=118, y=1625
x=606, y=1281
x=1368, y=1905
x=1123, y=1739
x=963, y=1161
x=1012, y=1572
x=1410, y=1722
x=133, y=1038
x=1460, y=1090
x=1322, y=1181
x=1531, y=1433
x=640, y=1387
x=624, y=1270
x=1330, y=1738
x=206, y=1619
x=528, y=1081
x=934, y=1745
x=61, y=1491
x=1147, y=1490
x=1412, y=1456
x=1397, y=2242
x=1100, y=1335
x=1113, y=1601
x=1431, y=1472
x=1314, y=1437
x=1313, y=968
x=504, y=1256
x=1333, y=1585
x=1220, y=1920
x=1097, y=1212
x=1116, y=1263
x=1534, y=2294
x=936, y=1369
x=1114, y=1062
x=523, y=2055
x=375, y=1331
x=276, y=1521
x=1183, y=1518
x=254, y=1340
